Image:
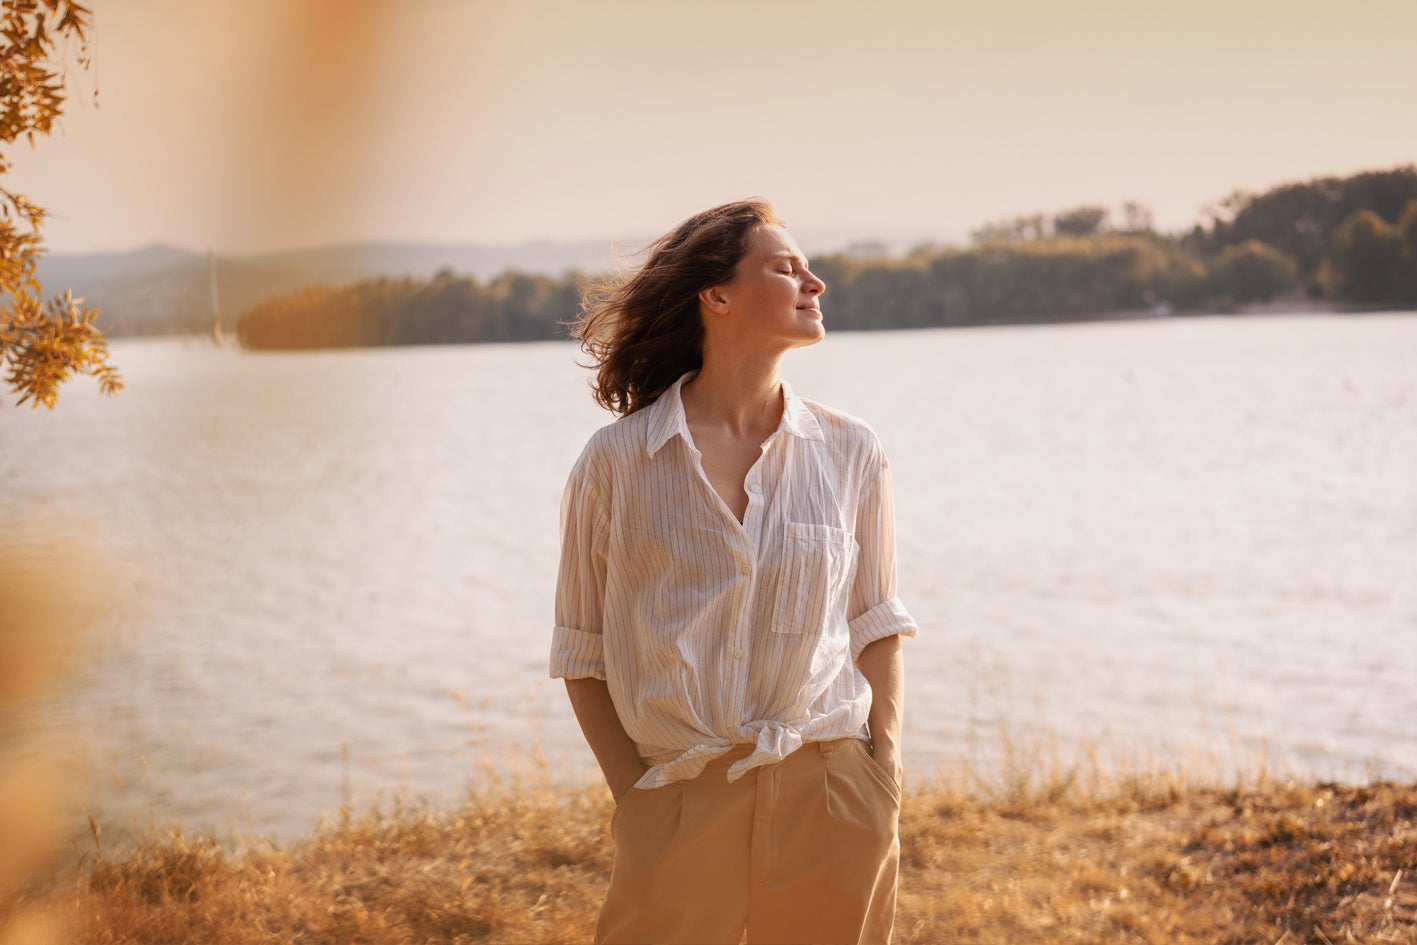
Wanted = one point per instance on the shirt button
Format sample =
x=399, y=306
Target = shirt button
x=753, y=487
x=737, y=654
x=746, y=569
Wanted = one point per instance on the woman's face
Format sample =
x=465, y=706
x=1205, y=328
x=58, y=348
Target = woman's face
x=772, y=300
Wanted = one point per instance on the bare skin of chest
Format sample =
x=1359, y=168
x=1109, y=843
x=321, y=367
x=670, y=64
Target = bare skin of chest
x=726, y=460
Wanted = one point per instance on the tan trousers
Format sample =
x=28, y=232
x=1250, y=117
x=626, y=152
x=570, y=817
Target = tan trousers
x=804, y=851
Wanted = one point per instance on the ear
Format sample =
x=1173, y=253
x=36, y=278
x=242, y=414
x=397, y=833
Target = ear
x=714, y=299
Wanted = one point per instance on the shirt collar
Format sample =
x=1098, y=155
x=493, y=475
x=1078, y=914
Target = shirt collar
x=666, y=417
x=797, y=419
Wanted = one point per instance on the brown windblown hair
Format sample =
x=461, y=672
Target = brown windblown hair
x=645, y=331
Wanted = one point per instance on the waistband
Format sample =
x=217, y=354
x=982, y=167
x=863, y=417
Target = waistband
x=719, y=766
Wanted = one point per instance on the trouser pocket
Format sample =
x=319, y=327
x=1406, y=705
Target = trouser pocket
x=875, y=772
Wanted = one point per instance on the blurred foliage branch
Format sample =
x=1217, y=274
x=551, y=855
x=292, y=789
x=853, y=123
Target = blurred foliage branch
x=42, y=344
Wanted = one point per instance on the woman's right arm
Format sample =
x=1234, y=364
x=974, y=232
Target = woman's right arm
x=578, y=651
x=614, y=750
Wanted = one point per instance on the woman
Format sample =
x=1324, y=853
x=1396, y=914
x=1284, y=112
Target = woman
x=726, y=618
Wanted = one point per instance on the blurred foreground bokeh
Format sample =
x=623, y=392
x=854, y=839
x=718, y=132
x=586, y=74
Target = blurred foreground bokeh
x=50, y=590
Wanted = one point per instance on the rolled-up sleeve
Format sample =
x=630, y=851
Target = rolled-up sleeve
x=874, y=610
x=577, y=644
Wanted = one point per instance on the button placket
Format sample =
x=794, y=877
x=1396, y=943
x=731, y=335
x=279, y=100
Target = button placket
x=752, y=530
x=737, y=668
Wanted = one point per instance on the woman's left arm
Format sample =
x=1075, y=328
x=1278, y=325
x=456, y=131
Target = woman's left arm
x=881, y=663
x=876, y=618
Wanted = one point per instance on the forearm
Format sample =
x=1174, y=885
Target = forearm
x=600, y=723
x=882, y=665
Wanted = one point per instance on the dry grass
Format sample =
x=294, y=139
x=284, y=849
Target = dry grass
x=521, y=869
x=1144, y=860
x=1298, y=863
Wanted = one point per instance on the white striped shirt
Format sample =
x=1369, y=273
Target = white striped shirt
x=710, y=632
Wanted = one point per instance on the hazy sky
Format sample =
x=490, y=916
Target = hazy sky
x=265, y=124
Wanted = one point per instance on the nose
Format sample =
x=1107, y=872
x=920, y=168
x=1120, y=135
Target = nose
x=812, y=285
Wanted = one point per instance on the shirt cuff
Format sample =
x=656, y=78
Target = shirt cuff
x=577, y=654
x=887, y=619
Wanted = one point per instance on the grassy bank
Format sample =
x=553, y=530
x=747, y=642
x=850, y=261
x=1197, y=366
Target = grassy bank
x=1135, y=860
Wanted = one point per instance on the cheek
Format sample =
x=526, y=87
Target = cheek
x=767, y=298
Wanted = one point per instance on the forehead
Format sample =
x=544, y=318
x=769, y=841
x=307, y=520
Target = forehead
x=772, y=240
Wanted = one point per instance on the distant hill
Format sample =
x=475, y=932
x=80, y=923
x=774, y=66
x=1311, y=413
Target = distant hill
x=163, y=290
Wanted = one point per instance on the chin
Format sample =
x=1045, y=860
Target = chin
x=813, y=338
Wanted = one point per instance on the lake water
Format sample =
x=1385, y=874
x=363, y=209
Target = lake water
x=1188, y=542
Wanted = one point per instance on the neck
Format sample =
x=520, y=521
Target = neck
x=742, y=397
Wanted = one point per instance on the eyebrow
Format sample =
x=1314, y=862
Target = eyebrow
x=788, y=254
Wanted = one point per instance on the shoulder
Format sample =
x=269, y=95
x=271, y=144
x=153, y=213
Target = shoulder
x=847, y=433
x=628, y=435
x=613, y=448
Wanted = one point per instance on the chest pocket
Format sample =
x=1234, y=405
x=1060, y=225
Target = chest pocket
x=816, y=562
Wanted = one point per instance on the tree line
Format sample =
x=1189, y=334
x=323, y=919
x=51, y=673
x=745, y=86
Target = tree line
x=1348, y=240
x=448, y=309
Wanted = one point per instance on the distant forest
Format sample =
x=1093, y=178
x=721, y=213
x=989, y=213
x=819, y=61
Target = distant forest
x=1347, y=241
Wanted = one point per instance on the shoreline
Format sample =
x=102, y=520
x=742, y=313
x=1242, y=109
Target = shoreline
x=203, y=337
